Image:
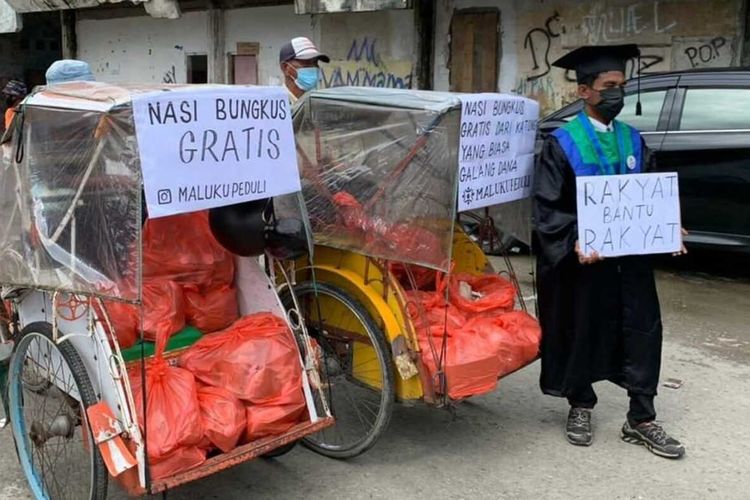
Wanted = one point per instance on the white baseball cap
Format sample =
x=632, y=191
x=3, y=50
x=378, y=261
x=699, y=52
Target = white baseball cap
x=301, y=48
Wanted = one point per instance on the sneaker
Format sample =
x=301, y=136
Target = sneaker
x=578, y=428
x=654, y=438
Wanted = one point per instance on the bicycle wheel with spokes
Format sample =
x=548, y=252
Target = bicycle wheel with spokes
x=49, y=391
x=357, y=369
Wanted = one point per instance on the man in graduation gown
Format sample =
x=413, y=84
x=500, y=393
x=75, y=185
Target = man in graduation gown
x=600, y=317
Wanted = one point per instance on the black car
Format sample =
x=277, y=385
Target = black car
x=696, y=123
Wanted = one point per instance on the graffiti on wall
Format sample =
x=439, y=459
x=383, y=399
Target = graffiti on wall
x=365, y=66
x=619, y=24
x=702, y=53
x=672, y=36
x=538, y=44
x=548, y=91
x=170, y=76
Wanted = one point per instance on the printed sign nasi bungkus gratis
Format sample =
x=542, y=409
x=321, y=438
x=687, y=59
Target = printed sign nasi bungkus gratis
x=632, y=214
x=496, y=149
x=214, y=146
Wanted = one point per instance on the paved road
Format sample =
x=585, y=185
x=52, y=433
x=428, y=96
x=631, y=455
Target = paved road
x=510, y=445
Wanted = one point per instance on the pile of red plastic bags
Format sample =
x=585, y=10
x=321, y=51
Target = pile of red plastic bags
x=240, y=382
x=188, y=279
x=474, y=336
x=232, y=387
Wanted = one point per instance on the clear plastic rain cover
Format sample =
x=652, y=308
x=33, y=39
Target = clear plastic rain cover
x=70, y=193
x=379, y=175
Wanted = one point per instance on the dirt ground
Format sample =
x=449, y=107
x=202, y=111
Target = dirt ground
x=510, y=444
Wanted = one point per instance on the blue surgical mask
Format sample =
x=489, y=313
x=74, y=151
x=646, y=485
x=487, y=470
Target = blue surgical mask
x=307, y=78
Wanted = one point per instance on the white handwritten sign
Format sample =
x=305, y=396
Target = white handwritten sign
x=631, y=214
x=214, y=146
x=496, y=149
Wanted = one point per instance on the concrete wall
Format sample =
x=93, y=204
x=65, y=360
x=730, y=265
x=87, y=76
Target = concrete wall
x=142, y=49
x=372, y=48
x=673, y=34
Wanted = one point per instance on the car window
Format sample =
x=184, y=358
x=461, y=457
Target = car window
x=716, y=109
x=651, y=104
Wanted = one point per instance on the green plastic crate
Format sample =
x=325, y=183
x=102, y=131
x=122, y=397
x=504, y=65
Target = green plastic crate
x=184, y=338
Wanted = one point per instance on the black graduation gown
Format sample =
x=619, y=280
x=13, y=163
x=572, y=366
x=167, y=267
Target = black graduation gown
x=599, y=321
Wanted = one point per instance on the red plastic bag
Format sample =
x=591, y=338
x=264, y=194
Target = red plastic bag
x=182, y=248
x=424, y=277
x=124, y=320
x=494, y=293
x=514, y=336
x=520, y=336
x=430, y=313
x=163, y=313
x=223, y=417
x=351, y=211
x=470, y=362
x=274, y=420
x=163, y=309
x=256, y=359
x=470, y=367
x=178, y=461
x=413, y=242
x=173, y=418
x=211, y=310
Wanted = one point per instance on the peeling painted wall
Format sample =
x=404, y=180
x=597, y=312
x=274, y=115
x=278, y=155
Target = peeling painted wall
x=673, y=34
x=372, y=48
x=142, y=49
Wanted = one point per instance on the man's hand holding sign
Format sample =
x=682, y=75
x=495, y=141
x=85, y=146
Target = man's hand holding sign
x=634, y=214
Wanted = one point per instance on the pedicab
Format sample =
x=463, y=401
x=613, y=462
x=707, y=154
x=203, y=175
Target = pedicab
x=149, y=347
x=405, y=306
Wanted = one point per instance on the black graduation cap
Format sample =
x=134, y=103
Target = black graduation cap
x=594, y=59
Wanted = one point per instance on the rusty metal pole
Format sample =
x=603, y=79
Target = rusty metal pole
x=69, y=38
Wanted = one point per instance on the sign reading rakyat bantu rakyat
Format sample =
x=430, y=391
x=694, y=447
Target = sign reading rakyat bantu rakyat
x=632, y=214
x=496, y=149
x=214, y=146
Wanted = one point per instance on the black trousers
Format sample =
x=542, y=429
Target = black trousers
x=641, y=406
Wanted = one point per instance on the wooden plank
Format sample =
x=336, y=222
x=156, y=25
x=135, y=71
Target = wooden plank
x=474, y=51
x=486, y=51
x=216, y=53
x=239, y=455
x=248, y=48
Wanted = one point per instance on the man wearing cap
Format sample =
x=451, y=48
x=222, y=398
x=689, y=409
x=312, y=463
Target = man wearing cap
x=13, y=93
x=600, y=317
x=298, y=59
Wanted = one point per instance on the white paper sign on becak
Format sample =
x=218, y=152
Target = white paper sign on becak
x=214, y=146
x=632, y=214
x=496, y=149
